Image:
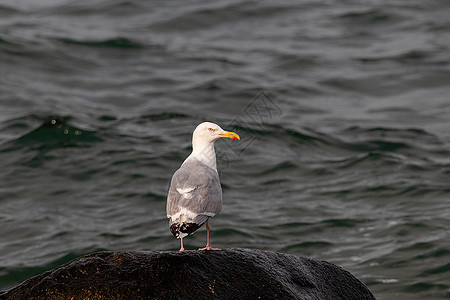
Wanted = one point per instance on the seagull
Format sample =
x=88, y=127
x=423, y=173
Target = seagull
x=195, y=194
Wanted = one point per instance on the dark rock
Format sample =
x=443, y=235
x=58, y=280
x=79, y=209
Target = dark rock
x=226, y=274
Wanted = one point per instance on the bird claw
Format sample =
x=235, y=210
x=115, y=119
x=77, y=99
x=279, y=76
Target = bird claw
x=209, y=248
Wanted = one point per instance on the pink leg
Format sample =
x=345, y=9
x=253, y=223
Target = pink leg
x=182, y=248
x=208, y=246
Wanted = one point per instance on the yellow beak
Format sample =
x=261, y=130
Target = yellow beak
x=231, y=135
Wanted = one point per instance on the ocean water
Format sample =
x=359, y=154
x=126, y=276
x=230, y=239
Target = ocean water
x=343, y=109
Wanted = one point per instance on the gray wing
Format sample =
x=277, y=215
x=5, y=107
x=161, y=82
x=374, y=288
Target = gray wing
x=195, y=193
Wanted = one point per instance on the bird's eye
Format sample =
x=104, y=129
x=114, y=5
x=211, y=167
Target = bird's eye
x=210, y=129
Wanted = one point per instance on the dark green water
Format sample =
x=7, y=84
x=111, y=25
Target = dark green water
x=343, y=108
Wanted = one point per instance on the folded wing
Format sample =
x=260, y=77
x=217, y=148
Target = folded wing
x=194, y=196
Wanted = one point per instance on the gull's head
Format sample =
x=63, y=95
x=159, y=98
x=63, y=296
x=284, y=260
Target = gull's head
x=210, y=132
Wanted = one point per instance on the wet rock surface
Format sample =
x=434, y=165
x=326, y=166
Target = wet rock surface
x=226, y=274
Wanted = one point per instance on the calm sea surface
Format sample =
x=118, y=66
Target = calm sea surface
x=343, y=108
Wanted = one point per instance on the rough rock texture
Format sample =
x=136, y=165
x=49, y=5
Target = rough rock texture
x=226, y=274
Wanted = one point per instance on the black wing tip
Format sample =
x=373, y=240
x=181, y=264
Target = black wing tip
x=189, y=228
